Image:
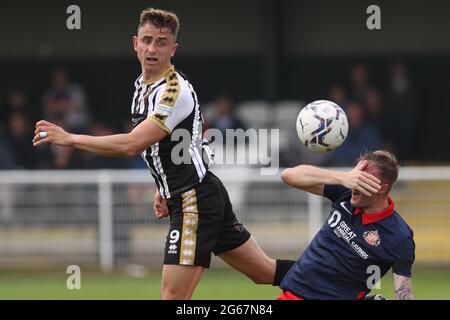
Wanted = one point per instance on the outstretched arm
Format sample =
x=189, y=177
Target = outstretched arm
x=128, y=144
x=313, y=179
x=403, y=287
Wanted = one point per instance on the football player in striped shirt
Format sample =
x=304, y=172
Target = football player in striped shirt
x=164, y=108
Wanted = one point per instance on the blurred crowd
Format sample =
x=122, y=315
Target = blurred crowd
x=64, y=103
x=378, y=118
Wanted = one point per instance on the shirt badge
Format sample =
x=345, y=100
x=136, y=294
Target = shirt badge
x=372, y=238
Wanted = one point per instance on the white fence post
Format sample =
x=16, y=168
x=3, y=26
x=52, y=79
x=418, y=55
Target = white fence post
x=314, y=214
x=105, y=221
x=5, y=201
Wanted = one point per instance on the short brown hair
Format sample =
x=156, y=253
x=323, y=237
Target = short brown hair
x=161, y=19
x=386, y=162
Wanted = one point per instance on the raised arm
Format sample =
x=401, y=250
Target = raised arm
x=403, y=287
x=127, y=144
x=312, y=179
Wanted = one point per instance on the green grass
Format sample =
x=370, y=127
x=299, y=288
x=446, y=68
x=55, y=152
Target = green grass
x=215, y=284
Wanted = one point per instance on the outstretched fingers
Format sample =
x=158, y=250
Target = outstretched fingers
x=363, y=181
x=361, y=165
x=366, y=188
x=372, y=182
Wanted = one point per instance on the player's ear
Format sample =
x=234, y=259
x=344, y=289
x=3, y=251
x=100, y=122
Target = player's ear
x=135, y=42
x=384, y=188
x=175, y=47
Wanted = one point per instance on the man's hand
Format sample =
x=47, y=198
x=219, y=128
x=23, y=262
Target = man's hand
x=47, y=132
x=160, y=206
x=361, y=181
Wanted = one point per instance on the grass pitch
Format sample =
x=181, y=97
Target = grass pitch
x=428, y=283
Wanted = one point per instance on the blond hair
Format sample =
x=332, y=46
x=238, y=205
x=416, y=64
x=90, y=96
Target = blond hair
x=161, y=19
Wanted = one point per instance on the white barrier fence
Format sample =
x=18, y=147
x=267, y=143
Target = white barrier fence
x=105, y=218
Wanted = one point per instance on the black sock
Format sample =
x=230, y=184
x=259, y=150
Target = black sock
x=282, y=268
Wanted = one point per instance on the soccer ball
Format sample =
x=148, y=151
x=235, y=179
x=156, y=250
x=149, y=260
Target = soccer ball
x=322, y=126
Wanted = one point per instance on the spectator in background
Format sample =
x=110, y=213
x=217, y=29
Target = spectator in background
x=65, y=158
x=66, y=103
x=93, y=161
x=295, y=152
x=338, y=94
x=374, y=108
x=402, y=108
x=62, y=158
x=224, y=115
x=20, y=134
x=362, y=137
x=7, y=160
x=359, y=82
x=16, y=102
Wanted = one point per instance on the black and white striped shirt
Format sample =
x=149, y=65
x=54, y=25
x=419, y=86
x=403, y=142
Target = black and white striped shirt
x=170, y=102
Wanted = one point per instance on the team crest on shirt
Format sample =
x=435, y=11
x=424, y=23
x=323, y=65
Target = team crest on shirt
x=372, y=238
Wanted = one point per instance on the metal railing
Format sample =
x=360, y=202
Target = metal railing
x=104, y=218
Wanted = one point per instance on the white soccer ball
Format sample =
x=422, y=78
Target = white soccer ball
x=322, y=126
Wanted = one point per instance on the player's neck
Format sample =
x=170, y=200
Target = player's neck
x=152, y=76
x=377, y=206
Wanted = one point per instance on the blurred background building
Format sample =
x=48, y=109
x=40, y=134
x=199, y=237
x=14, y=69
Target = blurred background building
x=288, y=51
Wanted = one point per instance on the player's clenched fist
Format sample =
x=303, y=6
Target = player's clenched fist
x=47, y=132
x=160, y=206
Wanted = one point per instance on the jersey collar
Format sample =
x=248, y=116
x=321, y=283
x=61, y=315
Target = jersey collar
x=367, y=218
x=163, y=74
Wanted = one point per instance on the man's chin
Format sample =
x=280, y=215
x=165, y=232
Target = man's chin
x=150, y=67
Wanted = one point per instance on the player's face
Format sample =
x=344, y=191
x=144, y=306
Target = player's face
x=360, y=200
x=154, y=47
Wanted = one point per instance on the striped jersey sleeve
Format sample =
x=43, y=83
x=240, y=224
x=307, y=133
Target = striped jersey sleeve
x=174, y=103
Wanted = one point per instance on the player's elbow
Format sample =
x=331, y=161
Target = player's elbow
x=131, y=150
x=288, y=176
x=295, y=177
